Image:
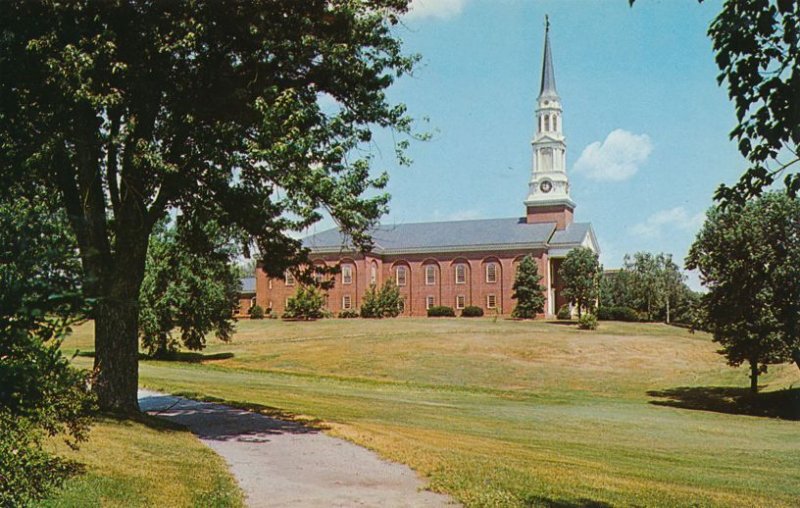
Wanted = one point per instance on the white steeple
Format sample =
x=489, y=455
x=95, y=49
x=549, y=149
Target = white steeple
x=549, y=183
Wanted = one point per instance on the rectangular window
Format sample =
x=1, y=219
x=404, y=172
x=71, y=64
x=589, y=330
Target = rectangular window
x=491, y=272
x=347, y=304
x=429, y=302
x=347, y=274
x=430, y=275
x=461, y=302
x=461, y=274
x=289, y=279
x=401, y=275
x=491, y=302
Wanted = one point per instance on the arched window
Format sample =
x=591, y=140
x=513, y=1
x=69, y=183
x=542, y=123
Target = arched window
x=347, y=274
x=461, y=274
x=430, y=275
x=400, y=275
x=491, y=272
x=373, y=273
x=547, y=122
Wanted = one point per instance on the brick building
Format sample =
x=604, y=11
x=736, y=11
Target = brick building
x=461, y=263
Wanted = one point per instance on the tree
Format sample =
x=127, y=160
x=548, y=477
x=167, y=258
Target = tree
x=190, y=284
x=40, y=392
x=308, y=303
x=757, y=46
x=647, y=281
x=126, y=110
x=747, y=257
x=580, y=271
x=381, y=303
x=528, y=290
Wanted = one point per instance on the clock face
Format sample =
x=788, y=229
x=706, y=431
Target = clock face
x=546, y=186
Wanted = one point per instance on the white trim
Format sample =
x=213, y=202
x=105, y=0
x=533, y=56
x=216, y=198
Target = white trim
x=347, y=302
x=489, y=299
x=461, y=301
x=492, y=264
x=347, y=274
x=429, y=302
x=397, y=270
x=288, y=278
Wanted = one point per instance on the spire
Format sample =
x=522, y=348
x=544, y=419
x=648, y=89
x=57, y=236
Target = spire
x=548, y=76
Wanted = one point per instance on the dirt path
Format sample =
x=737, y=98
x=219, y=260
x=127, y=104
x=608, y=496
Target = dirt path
x=283, y=463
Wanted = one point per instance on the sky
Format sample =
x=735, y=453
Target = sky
x=645, y=121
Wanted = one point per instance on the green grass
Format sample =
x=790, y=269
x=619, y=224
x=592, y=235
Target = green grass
x=519, y=413
x=144, y=464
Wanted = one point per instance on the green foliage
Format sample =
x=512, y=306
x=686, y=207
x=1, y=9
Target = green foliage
x=581, y=273
x=587, y=322
x=564, y=313
x=256, y=312
x=381, y=303
x=348, y=314
x=472, y=311
x=441, y=311
x=255, y=114
x=528, y=290
x=749, y=259
x=190, y=285
x=654, y=285
x=617, y=314
x=757, y=46
x=307, y=303
x=40, y=392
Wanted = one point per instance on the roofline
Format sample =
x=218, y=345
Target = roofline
x=434, y=250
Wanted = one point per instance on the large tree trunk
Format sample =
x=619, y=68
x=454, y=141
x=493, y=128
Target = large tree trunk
x=753, y=377
x=116, y=358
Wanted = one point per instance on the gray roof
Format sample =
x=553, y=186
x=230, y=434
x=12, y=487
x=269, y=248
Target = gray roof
x=548, y=87
x=248, y=284
x=453, y=236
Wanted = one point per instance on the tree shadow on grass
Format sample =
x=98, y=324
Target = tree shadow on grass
x=783, y=404
x=178, y=356
x=540, y=501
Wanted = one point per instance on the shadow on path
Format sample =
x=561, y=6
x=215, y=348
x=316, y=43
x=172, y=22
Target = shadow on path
x=783, y=404
x=215, y=421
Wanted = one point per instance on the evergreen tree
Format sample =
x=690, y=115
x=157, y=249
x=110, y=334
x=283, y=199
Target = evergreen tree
x=381, y=303
x=528, y=290
x=580, y=271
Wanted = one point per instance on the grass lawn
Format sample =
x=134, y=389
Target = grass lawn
x=144, y=464
x=519, y=413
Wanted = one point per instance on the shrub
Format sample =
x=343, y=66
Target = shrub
x=528, y=290
x=605, y=314
x=587, y=322
x=307, y=303
x=381, y=303
x=441, y=311
x=564, y=313
x=256, y=312
x=624, y=314
x=472, y=311
x=348, y=314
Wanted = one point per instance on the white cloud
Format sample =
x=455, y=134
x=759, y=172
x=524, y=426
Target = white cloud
x=441, y=9
x=615, y=159
x=672, y=219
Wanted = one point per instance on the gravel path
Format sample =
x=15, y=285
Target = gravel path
x=283, y=463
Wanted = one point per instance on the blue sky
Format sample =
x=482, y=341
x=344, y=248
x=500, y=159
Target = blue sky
x=638, y=87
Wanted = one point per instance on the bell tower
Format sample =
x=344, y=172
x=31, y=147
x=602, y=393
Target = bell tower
x=548, y=196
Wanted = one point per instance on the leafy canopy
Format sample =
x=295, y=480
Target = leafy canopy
x=580, y=272
x=190, y=284
x=255, y=113
x=757, y=46
x=749, y=259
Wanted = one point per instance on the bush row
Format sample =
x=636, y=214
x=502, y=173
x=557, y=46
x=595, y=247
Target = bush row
x=256, y=312
x=617, y=314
